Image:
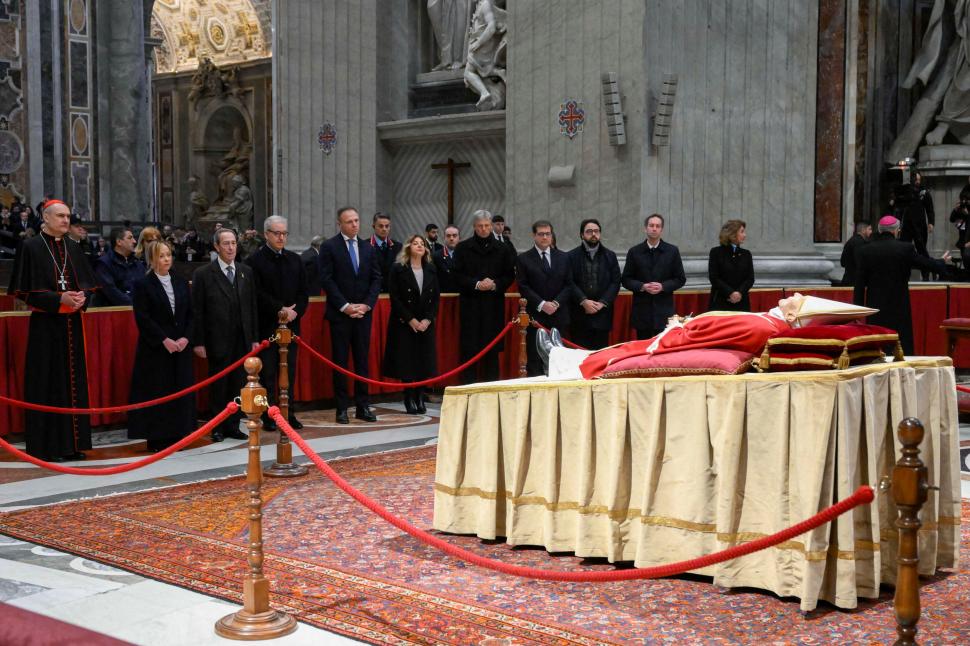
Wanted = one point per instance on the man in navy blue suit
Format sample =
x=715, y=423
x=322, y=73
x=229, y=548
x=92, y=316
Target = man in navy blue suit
x=350, y=274
x=546, y=282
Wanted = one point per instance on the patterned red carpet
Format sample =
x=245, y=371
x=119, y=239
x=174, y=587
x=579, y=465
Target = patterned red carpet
x=335, y=565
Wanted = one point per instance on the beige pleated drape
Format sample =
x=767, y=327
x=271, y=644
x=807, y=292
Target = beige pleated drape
x=660, y=470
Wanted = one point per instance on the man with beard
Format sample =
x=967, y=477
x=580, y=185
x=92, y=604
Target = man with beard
x=431, y=238
x=484, y=268
x=52, y=276
x=596, y=280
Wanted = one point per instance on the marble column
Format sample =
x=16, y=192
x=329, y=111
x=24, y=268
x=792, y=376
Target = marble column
x=124, y=137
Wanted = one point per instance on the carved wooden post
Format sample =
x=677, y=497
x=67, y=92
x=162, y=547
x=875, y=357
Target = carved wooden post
x=909, y=491
x=284, y=467
x=256, y=620
x=523, y=328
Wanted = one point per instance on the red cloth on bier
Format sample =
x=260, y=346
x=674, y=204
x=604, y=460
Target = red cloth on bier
x=743, y=331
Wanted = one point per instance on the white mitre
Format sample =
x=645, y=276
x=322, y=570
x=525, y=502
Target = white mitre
x=822, y=311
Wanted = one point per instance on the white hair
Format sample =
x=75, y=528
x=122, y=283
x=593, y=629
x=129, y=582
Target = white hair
x=273, y=219
x=481, y=214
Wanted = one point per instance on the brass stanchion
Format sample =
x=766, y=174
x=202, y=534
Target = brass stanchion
x=256, y=620
x=523, y=327
x=909, y=491
x=284, y=467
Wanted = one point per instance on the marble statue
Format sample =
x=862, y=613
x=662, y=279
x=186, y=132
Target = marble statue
x=485, y=60
x=946, y=74
x=241, y=207
x=210, y=81
x=198, y=203
x=235, y=162
x=449, y=21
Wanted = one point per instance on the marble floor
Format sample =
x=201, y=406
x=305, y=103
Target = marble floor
x=143, y=611
x=140, y=610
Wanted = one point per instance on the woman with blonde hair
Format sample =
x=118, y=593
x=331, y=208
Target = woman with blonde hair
x=163, y=361
x=147, y=236
x=731, y=269
x=410, y=353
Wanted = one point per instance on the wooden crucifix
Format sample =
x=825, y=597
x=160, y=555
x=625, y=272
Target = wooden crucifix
x=451, y=165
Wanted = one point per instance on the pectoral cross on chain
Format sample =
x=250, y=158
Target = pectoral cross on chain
x=62, y=283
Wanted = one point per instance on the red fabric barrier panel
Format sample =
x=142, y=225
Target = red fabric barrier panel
x=13, y=350
x=928, y=305
x=110, y=337
x=763, y=299
x=958, y=306
x=8, y=303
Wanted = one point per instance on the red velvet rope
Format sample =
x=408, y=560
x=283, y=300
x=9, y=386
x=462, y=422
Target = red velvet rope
x=129, y=407
x=537, y=324
x=963, y=389
x=230, y=409
x=863, y=495
x=407, y=384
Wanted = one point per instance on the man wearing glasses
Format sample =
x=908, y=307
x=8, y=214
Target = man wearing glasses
x=547, y=285
x=596, y=280
x=281, y=290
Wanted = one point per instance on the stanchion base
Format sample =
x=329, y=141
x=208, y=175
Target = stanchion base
x=287, y=470
x=246, y=626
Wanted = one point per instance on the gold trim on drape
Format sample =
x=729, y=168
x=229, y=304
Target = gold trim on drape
x=661, y=470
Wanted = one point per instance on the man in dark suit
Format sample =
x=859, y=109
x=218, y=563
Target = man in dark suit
x=546, y=282
x=596, y=280
x=431, y=238
x=224, y=324
x=118, y=269
x=444, y=261
x=386, y=248
x=281, y=290
x=863, y=231
x=653, y=272
x=484, y=268
x=350, y=273
x=311, y=264
x=883, y=267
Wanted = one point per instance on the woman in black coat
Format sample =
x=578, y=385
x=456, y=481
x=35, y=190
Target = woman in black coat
x=163, y=360
x=731, y=270
x=410, y=354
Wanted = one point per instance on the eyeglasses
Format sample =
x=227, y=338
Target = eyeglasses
x=591, y=231
x=544, y=233
x=279, y=234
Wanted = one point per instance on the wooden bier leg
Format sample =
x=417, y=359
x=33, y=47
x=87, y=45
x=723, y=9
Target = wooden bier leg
x=909, y=488
x=523, y=327
x=256, y=620
x=284, y=467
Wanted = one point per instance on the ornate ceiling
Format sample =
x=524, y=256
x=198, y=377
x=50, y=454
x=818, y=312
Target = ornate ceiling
x=225, y=31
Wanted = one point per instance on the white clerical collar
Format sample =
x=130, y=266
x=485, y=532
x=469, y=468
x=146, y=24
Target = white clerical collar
x=223, y=266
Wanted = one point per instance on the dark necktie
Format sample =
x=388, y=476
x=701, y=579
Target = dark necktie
x=545, y=259
x=231, y=275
